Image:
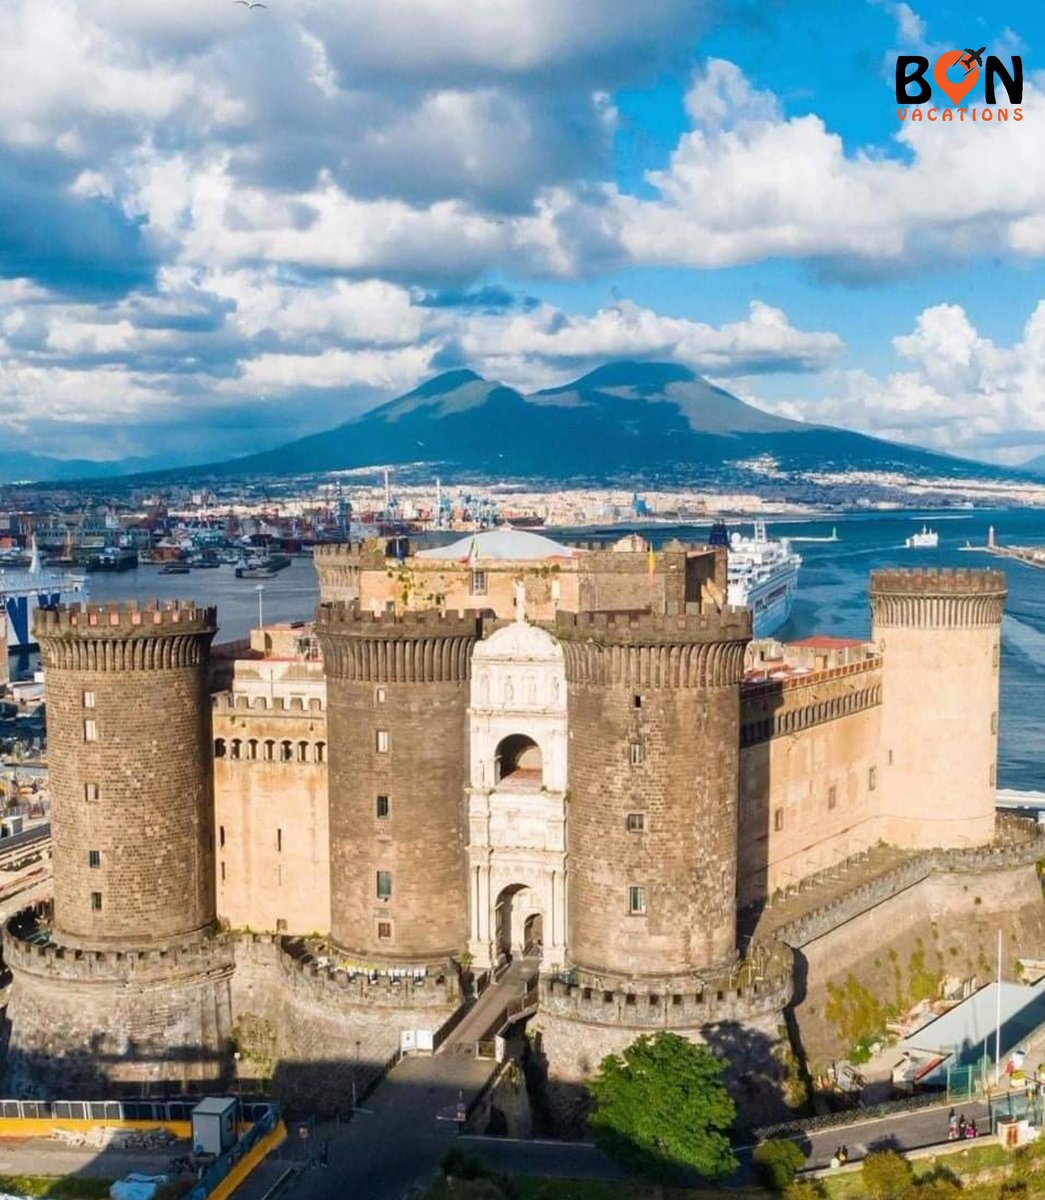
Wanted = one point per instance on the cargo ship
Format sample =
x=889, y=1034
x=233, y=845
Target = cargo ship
x=763, y=575
x=23, y=592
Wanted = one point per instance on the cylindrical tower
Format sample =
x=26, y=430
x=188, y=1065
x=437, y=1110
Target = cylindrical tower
x=131, y=783
x=339, y=567
x=939, y=632
x=397, y=700
x=654, y=719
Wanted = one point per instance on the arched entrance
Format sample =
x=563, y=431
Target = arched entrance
x=519, y=922
x=518, y=762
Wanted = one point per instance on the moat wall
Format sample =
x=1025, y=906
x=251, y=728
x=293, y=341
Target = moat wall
x=314, y=1032
x=945, y=921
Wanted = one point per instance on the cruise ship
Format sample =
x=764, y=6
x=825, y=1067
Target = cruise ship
x=22, y=592
x=763, y=575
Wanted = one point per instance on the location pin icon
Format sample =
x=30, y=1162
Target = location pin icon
x=957, y=90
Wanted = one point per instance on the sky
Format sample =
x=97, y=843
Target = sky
x=222, y=227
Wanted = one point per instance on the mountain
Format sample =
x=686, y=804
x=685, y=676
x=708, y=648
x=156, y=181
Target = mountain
x=1037, y=465
x=38, y=468
x=647, y=419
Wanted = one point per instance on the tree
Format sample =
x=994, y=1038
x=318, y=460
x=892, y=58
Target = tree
x=777, y=1162
x=662, y=1105
x=804, y=1189
x=887, y=1175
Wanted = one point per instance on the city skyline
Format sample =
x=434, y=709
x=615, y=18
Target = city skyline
x=225, y=228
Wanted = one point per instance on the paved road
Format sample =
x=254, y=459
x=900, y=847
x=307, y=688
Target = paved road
x=909, y=1131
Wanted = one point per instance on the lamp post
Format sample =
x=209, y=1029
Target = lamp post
x=239, y=1085
x=260, y=589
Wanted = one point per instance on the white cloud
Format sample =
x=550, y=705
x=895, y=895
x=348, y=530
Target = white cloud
x=961, y=392
x=748, y=184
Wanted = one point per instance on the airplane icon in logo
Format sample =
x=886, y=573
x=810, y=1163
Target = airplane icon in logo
x=971, y=56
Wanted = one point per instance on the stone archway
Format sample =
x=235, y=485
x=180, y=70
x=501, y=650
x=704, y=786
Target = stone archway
x=518, y=762
x=518, y=921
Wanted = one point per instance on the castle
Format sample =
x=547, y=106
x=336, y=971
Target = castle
x=503, y=748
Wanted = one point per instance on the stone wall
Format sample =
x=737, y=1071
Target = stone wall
x=653, y=706
x=940, y=635
x=131, y=781
x=397, y=713
x=809, y=766
x=271, y=814
x=314, y=1032
x=87, y=1021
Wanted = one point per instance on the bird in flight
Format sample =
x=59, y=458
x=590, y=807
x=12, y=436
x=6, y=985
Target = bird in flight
x=251, y=3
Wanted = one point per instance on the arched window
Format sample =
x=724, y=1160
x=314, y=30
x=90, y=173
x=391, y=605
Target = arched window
x=321, y=752
x=286, y=751
x=236, y=747
x=270, y=750
x=517, y=761
x=219, y=747
x=302, y=751
x=252, y=749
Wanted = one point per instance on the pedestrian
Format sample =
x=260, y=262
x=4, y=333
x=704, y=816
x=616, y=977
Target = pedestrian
x=952, y=1126
x=843, y=1156
x=961, y=1126
x=970, y=1129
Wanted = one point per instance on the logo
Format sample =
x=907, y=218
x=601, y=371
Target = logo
x=955, y=75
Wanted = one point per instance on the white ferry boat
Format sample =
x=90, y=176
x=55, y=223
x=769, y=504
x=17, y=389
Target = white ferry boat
x=22, y=592
x=763, y=576
x=928, y=539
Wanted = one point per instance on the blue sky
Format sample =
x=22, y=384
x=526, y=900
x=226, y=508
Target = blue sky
x=222, y=228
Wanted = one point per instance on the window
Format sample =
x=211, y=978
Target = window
x=94, y=858
x=478, y=583
x=890, y=759
x=637, y=701
x=383, y=807
x=994, y=722
x=302, y=751
x=636, y=901
x=96, y=901
x=221, y=837
x=286, y=751
x=379, y=696
x=279, y=841
x=832, y=796
x=219, y=747
x=88, y=699
x=636, y=822
x=235, y=748
x=384, y=931
x=321, y=752
x=90, y=731
x=384, y=885
x=223, y=871
x=252, y=749
x=91, y=792
x=382, y=741
x=778, y=819
x=281, y=924
x=638, y=753
x=872, y=778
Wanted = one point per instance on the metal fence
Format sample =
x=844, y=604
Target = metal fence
x=119, y=1110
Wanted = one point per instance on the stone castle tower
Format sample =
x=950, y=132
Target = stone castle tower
x=397, y=701
x=133, y=846
x=654, y=718
x=939, y=633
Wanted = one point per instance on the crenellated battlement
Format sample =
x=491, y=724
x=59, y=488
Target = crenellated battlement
x=24, y=951
x=685, y=650
x=125, y=637
x=696, y=624
x=128, y=618
x=347, y=617
x=762, y=984
x=412, y=647
x=931, y=598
